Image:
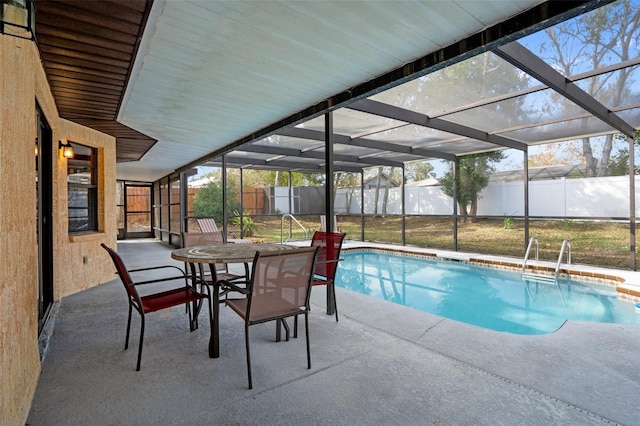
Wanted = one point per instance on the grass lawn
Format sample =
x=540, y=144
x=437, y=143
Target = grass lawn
x=592, y=243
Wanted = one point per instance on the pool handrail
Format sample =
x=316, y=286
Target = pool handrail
x=290, y=216
x=532, y=241
x=565, y=245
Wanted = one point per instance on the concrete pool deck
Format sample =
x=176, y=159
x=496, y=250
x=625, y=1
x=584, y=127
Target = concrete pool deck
x=382, y=363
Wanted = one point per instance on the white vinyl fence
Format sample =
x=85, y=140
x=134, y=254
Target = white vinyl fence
x=584, y=197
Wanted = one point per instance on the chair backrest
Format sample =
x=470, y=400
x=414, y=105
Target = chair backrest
x=207, y=224
x=280, y=283
x=191, y=239
x=330, y=244
x=123, y=273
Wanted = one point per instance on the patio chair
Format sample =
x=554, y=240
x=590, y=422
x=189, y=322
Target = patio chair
x=207, y=224
x=330, y=244
x=192, y=239
x=182, y=295
x=279, y=288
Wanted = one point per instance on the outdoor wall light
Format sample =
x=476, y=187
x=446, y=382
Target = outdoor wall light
x=65, y=149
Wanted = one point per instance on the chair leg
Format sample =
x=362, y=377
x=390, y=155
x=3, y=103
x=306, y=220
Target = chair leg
x=306, y=332
x=287, y=332
x=295, y=327
x=193, y=320
x=246, y=341
x=126, y=341
x=141, y=341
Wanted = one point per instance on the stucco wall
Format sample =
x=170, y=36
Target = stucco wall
x=22, y=83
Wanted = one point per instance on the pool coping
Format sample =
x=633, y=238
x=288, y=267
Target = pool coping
x=626, y=283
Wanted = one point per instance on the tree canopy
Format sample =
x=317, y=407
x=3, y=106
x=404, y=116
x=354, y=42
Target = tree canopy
x=595, y=40
x=208, y=201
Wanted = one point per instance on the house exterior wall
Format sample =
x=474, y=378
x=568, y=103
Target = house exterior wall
x=22, y=84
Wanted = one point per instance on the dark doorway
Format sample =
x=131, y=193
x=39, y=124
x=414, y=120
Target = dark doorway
x=44, y=212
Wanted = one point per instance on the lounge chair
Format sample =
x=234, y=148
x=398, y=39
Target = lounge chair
x=207, y=224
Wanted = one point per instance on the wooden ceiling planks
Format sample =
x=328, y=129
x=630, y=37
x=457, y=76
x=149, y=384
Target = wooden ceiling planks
x=87, y=49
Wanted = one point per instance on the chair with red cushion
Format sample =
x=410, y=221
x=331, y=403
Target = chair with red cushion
x=183, y=295
x=330, y=244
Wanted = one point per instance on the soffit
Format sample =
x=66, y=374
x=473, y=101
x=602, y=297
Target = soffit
x=87, y=50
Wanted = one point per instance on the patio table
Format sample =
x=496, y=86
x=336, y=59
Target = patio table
x=221, y=253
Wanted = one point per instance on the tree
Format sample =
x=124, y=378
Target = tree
x=389, y=175
x=417, y=170
x=597, y=39
x=556, y=153
x=619, y=163
x=473, y=177
x=208, y=201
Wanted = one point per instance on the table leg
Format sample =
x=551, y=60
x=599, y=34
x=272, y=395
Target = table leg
x=194, y=305
x=214, y=341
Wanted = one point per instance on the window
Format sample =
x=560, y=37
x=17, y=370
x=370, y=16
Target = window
x=82, y=183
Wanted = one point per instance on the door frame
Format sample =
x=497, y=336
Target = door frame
x=44, y=223
x=125, y=188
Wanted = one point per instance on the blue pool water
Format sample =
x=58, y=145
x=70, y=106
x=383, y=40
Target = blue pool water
x=486, y=297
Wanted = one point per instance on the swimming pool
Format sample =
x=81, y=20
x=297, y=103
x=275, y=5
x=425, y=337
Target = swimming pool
x=490, y=298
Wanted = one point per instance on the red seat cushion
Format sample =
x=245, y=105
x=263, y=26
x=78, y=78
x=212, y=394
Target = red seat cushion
x=167, y=299
x=319, y=282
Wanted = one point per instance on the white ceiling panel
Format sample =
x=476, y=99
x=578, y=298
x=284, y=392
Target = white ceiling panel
x=211, y=72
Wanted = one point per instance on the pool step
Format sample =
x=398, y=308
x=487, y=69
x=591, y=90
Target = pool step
x=528, y=276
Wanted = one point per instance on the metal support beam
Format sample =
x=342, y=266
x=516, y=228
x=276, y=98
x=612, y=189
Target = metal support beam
x=331, y=225
x=393, y=147
x=361, y=206
x=632, y=205
x=366, y=143
x=407, y=116
x=224, y=198
x=456, y=173
x=403, y=212
x=290, y=192
x=184, y=222
x=521, y=57
x=526, y=197
x=288, y=165
x=292, y=152
x=241, y=207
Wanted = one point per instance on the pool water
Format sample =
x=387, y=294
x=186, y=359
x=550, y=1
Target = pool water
x=490, y=298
